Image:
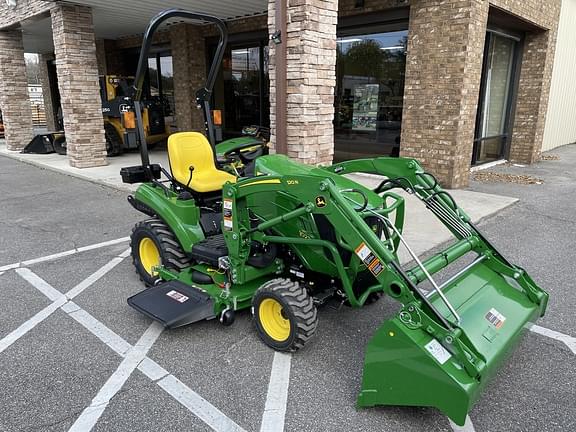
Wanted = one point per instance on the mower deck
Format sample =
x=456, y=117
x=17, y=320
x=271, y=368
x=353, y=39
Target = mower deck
x=174, y=304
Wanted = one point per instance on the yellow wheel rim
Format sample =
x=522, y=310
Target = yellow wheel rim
x=272, y=320
x=149, y=255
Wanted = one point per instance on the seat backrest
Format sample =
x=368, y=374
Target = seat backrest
x=187, y=149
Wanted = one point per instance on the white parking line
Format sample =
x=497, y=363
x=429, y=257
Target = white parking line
x=40, y=284
x=569, y=341
x=63, y=254
x=13, y=336
x=197, y=405
x=62, y=299
x=468, y=426
x=134, y=357
x=191, y=400
x=277, y=398
x=115, y=342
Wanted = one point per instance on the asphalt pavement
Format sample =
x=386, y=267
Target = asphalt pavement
x=64, y=359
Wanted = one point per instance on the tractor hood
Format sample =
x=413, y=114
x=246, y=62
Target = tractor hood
x=281, y=165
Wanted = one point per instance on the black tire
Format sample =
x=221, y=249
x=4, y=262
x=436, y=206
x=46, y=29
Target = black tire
x=59, y=145
x=297, y=310
x=170, y=252
x=363, y=281
x=372, y=298
x=114, y=143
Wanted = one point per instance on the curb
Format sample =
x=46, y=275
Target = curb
x=128, y=189
x=15, y=156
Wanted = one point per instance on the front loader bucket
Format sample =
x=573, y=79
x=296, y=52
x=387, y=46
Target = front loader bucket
x=40, y=144
x=406, y=365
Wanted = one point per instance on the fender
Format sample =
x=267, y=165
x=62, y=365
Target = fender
x=182, y=216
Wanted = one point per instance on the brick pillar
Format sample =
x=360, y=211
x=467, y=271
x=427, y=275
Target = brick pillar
x=77, y=70
x=189, y=66
x=47, y=91
x=14, y=99
x=311, y=78
x=272, y=74
x=533, y=92
x=443, y=70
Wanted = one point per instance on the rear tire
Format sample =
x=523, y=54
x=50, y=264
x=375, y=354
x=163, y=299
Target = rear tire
x=284, y=315
x=59, y=145
x=153, y=243
x=114, y=143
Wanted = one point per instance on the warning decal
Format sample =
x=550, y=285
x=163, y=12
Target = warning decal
x=368, y=258
x=495, y=318
x=227, y=214
x=363, y=251
x=438, y=351
x=179, y=297
x=376, y=267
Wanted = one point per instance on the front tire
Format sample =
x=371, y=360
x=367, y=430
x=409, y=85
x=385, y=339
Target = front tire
x=284, y=314
x=153, y=244
x=114, y=143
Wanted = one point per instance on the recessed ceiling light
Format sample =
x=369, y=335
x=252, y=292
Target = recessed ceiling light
x=343, y=41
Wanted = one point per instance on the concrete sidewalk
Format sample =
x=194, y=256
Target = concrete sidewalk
x=107, y=175
x=422, y=230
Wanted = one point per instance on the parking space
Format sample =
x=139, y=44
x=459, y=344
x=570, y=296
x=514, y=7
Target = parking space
x=75, y=356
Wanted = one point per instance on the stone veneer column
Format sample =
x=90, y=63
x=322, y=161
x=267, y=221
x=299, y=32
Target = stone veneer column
x=77, y=69
x=189, y=66
x=311, y=78
x=47, y=91
x=533, y=92
x=14, y=99
x=443, y=70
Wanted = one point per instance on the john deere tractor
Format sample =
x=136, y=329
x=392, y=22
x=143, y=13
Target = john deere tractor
x=286, y=238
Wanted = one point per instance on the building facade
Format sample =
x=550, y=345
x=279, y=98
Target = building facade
x=560, y=128
x=452, y=83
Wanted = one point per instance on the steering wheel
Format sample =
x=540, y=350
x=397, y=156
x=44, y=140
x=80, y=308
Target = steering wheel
x=245, y=157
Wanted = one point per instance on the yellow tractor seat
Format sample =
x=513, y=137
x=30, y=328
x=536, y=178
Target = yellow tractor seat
x=192, y=149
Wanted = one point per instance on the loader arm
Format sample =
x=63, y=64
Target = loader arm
x=443, y=345
x=319, y=195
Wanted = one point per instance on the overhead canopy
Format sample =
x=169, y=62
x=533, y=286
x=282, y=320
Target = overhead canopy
x=113, y=20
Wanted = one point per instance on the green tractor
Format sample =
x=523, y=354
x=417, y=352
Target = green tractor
x=287, y=238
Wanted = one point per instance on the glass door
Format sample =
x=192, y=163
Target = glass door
x=369, y=94
x=492, y=137
x=241, y=90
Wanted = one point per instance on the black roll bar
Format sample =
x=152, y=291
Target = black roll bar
x=202, y=96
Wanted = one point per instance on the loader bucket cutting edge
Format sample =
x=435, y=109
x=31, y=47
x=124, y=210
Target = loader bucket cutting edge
x=405, y=365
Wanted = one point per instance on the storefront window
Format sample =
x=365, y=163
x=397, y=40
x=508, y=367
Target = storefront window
x=242, y=88
x=161, y=80
x=494, y=109
x=369, y=91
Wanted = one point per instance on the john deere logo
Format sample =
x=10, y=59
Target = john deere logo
x=320, y=201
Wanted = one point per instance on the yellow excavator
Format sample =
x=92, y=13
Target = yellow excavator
x=117, y=94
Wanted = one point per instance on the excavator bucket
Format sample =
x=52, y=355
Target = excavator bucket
x=406, y=364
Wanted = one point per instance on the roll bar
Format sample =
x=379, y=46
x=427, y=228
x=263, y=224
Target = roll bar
x=202, y=95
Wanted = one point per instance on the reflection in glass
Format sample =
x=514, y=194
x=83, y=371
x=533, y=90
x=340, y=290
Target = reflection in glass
x=492, y=134
x=161, y=82
x=242, y=89
x=498, y=69
x=369, y=92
